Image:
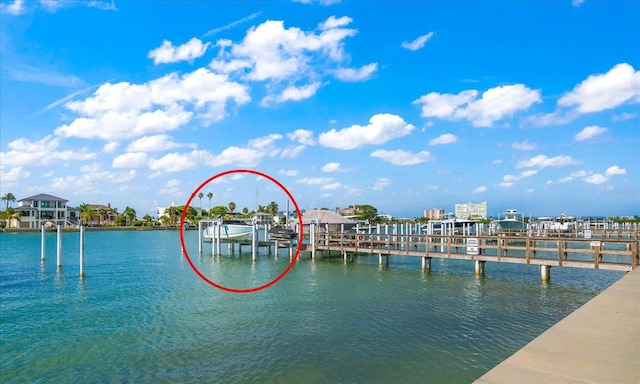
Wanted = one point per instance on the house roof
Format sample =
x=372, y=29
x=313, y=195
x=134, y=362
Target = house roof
x=43, y=197
x=325, y=217
x=96, y=207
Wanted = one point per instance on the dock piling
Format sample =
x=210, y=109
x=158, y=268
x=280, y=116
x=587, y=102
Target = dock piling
x=545, y=272
x=59, y=247
x=42, y=242
x=82, y=251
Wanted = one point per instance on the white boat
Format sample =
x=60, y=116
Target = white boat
x=229, y=230
x=513, y=221
x=564, y=223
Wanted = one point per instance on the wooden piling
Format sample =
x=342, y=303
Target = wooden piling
x=42, y=242
x=82, y=251
x=59, y=247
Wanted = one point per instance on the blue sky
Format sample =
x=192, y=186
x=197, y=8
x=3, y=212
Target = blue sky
x=407, y=106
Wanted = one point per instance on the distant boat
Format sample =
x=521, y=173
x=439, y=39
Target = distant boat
x=513, y=221
x=282, y=233
x=231, y=230
x=564, y=223
x=451, y=223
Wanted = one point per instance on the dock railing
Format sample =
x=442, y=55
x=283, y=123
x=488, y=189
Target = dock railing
x=610, y=250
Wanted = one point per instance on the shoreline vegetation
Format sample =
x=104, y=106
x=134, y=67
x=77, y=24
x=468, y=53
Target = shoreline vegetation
x=101, y=218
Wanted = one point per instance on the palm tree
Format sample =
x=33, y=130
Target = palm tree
x=129, y=214
x=232, y=207
x=8, y=198
x=272, y=208
x=210, y=196
x=86, y=213
x=10, y=215
x=200, y=196
x=147, y=219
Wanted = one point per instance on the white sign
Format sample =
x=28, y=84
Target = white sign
x=472, y=246
x=595, y=244
x=587, y=233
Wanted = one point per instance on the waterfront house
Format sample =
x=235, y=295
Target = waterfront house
x=43, y=209
x=103, y=214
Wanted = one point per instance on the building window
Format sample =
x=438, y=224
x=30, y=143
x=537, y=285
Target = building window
x=44, y=204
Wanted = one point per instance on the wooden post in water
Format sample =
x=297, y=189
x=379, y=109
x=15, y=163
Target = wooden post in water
x=426, y=263
x=82, y=251
x=254, y=241
x=42, y=242
x=312, y=239
x=59, y=248
x=480, y=267
x=218, y=238
x=200, y=237
x=545, y=272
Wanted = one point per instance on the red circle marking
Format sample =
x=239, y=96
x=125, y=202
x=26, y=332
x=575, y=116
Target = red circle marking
x=235, y=290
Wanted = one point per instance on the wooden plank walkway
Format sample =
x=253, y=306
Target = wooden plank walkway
x=620, y=253
x=598, y=343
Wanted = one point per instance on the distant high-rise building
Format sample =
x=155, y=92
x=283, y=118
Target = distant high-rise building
x=471, y=211
x=434, y=214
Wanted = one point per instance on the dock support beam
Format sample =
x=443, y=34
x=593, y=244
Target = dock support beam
x=82, y=251
x=480, y=267
x=254, y=242
x=426, y=263
x=42, y=242
x=545, y=272
x=200, y=237
x=59, y=244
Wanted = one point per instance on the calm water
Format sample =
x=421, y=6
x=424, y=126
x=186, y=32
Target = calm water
x=143, y=315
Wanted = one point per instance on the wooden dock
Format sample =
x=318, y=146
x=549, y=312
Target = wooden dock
x=598, y=343
x=599, y=250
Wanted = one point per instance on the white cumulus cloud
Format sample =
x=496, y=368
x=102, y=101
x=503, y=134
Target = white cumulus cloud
x=494, y=104
x=123, y=110
x=331, y=167
x=589, y=133
x=523, y=146
x=401, y=157
x=446, y=138
x=168, y=53
x=418, y=42
x=356, y=74
x=381, y=183
x=542, y=161
x=621, y=84
x=381, y=128
x=480, y=189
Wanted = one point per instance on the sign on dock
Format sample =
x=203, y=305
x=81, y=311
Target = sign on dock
x=472, y=246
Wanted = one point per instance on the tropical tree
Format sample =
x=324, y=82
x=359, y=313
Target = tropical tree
x=10, y=216
x=210, y=196
x=232, y=206
x=8, y=198
x=219, y=210
x=366, y=212
x=272, y=208
x=86, y=213
x=130, y=215
x=200, y=196
x=147, y=219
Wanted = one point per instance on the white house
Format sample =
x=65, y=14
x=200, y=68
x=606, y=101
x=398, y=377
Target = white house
x=43, y=209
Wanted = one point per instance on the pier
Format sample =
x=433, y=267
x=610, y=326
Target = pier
x=608, y=250
x=598, y=343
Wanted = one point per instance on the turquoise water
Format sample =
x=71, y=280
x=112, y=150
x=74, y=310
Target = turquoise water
x=143, y=315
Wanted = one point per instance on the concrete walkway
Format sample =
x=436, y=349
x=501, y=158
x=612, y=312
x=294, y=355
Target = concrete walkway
x=598, y=343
